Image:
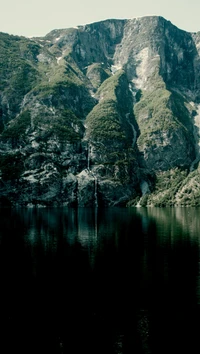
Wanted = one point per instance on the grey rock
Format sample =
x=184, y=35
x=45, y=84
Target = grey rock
x=95, y=115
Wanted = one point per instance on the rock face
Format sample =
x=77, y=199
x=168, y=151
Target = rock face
x=106, y=114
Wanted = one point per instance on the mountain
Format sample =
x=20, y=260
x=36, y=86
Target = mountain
x=105, y=114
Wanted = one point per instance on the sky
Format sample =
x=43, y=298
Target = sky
x=38, y=17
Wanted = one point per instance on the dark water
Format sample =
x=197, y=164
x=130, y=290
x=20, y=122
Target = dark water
x=100, y=281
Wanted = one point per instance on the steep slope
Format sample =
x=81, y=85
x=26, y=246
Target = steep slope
x=102, y=114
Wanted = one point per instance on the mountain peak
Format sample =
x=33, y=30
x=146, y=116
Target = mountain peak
x=106, y=111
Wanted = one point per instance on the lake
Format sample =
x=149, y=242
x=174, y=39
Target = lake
x=113, y=280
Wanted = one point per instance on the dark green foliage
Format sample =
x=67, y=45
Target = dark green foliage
x=17, y=70
x=68, y=76
x=153, y=114
x=11, y=166
x=97, y=74
x=178, y=106
x=109, y=86
x=66, y=127
x=138, y=95
x=17, y=128
x=144, y=200
x=167, y=185
x=109, y=129
x=104, y=122
x=170, y=179
x=1, y=122
x=161, y=110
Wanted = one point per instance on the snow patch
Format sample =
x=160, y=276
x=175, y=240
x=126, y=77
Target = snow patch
x=57, y=39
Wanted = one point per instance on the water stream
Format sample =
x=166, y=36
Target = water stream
x=95, y=191
x=90, y=172
x=144, y=187
x=133, y=129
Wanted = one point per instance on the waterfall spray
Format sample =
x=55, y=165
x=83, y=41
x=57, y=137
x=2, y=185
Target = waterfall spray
x=88, y=157
x=95, y=192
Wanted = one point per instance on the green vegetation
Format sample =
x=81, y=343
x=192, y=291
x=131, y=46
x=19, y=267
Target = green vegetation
x=172, y=188
x=28, y=67
x=176, y=187
x=66, y=127
x=160, y=110
x=189, y=193
x=17, y=71
x=180, y=107
x=97, y=74
x=167, y=185
x=11, y=166
x=17, y=128
x=103, y=122
x=109, y=86
x=109, y=130
x=45, y=96
x=152, y=112
x=52, y=73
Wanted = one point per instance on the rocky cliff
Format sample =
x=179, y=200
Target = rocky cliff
x=105, y=114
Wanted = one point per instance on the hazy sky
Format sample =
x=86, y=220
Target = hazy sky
x=38, y=17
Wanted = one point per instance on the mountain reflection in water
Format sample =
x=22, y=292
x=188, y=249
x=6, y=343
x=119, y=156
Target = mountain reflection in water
x=112, y=280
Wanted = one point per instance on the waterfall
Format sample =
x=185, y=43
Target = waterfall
x=144, y=187
x=88, y=158
x=95, y=189
x=72, y=196
x=133, y=129
x=95, y=192
x=90, y=173
x=96, y=225
x=145, y=190
x=24, y=101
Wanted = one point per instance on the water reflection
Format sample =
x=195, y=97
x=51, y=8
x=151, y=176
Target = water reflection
x=109, y=280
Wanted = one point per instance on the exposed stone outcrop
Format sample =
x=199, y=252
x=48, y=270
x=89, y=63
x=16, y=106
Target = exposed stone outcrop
x=105, y=114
